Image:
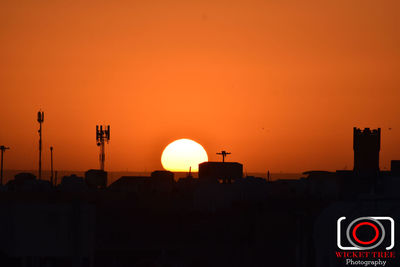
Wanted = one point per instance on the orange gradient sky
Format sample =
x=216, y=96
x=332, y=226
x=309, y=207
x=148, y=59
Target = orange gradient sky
x=278, y=83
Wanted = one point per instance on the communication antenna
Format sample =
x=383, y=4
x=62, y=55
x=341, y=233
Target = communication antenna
x=223, y=153
x=40, y=119
x=102, y=136
x=2, y=148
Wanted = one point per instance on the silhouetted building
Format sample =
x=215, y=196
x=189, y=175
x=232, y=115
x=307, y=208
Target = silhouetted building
x=21, y=180
x=136, y=184
x=224, y=171
x=72, y=183
x=27, y=182
x=159, y=181
x=366, y=145
x=162, y=181
x=163, y=176
x=96, y=179
x=324, y=184
x=24, y=176
x=395, y=167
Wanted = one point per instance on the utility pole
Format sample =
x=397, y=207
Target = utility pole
x=190, y=173
x=51, y=165
x=102, y=136
x=40, y=119
x=223, y=153
x=2, y=148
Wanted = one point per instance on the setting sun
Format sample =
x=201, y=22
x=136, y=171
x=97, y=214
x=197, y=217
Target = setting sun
x=182, y=154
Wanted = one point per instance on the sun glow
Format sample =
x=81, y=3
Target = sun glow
x=182, y=154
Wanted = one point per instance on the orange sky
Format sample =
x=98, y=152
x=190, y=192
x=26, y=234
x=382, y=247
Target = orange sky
x=278, y=83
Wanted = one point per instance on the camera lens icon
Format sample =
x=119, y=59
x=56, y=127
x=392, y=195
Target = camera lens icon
x=365, y=233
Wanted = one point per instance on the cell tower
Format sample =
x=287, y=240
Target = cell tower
x=102, y=136
x=223, y=153
x=40, y=119
x=2, y=148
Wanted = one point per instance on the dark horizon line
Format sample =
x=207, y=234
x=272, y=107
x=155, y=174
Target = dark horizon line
x=248, y=172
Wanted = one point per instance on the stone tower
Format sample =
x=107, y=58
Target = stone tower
x=366, y=146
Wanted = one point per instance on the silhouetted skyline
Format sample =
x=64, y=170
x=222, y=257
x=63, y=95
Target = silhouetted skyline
x=288, y=110
x=224, y=218
x=278, y=83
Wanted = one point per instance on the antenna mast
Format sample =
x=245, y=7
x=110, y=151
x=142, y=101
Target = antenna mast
x=40, y=119
x=2, y=148
x=102, y=136
x=223, y=153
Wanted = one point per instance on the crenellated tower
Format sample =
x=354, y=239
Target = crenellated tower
x=366, y=146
